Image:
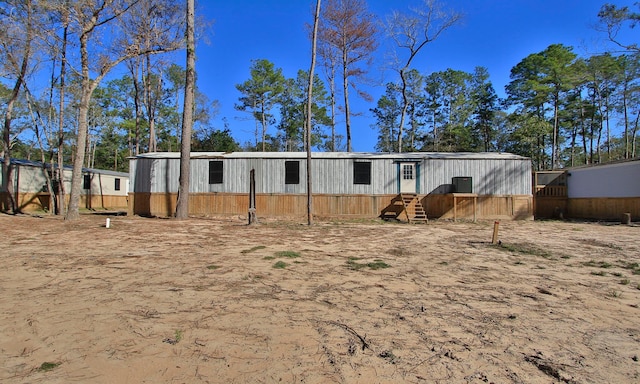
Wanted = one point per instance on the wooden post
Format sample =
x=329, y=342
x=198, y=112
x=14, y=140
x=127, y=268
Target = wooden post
x=626, y=218
x=252, y=198
x=494, y=239
x=455, y=208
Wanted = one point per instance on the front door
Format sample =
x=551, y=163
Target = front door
x=407, y=178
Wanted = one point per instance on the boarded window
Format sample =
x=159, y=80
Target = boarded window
x=362, y=172
x=117, y=185
x=292, y=172
x=215, y=172
x=87, y=182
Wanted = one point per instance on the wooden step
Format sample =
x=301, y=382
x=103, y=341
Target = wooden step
x=413, y=208
x=410, y=204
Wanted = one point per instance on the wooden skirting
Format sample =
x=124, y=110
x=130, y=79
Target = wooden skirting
x=31, y=202
x=203, y=204
x=603, y=208
x=519, y=207
x=366, y=206
x=548, y=207
x=102, y=202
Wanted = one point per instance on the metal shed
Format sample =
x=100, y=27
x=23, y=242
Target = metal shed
x=343, y=184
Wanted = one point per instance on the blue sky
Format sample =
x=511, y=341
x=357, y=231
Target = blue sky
x=496, y=34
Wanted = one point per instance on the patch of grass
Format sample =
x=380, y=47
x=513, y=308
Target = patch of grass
x=625, y=281
x=212, y=266
x=280, y=265
x=598, y=264
x=376, y=264
x=389, y=356
x=268, y=257
x=634, y=267
x=256, y=248
x=351, y=264
x=288, y=254
x=617, y=274
x=614, y=293
x=590, y=263
x=599, y=273
x=525, y=249
x=178, y=335
x=444, y=263
x=597, y=243
x=47, y=366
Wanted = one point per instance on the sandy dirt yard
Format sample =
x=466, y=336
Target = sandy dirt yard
x=217, y=301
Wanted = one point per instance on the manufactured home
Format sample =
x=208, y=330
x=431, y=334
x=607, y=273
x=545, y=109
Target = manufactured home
x=101, y=189
x=446, y=185
x=598, y=192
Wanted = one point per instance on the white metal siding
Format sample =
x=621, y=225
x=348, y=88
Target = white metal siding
x=334, y=175
x=611, y=180
x=490, y=177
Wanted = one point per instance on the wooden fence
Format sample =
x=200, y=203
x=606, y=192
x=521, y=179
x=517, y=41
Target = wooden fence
x=550, y=191
x=606, y=208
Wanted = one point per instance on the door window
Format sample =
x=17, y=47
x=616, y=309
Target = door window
x=407, y=171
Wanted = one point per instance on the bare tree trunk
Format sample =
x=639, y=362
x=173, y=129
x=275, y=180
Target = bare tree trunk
x=554, y=145
x=405, y=105
x=309, y=116
x=36, y=119
x=63, y=72
x=598, y=150
x=264, y=127
x=8, y=115
x=151, y=112
x=81, y=146
x=608, y=120
x=47, y=176
x=626, y=122
x=584, y=136
x=135, y=71
x=327, y=53
x=7, y=167
x=345, y=91
x=88, y=87
x=634, y=133
x=182, y=207
x=256, y=133
x=333, y=114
